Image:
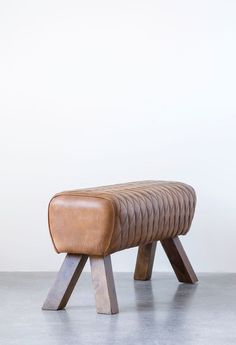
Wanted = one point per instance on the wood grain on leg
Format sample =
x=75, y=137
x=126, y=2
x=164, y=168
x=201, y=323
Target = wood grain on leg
x=65, y=282
x=103, y=284
x=179, y=260
x=144, y=263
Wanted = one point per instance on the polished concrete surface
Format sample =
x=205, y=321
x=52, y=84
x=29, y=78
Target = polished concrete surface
x=160, y=311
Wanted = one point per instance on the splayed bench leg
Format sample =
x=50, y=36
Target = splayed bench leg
x=65, y=282
x=144, y=262
x=103, y=284
x=179, y=260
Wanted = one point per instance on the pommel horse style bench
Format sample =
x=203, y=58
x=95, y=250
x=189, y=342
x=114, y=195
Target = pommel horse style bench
x=97, y=222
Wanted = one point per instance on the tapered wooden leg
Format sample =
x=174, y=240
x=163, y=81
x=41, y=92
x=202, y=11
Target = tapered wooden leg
x=65, y=282
x=179, y=260
x=103, y=284
x=144, y=263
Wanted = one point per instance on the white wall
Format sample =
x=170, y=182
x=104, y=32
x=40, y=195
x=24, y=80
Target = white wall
x=100, y=92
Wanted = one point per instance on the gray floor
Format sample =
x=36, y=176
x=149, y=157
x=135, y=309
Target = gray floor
x=157, y=312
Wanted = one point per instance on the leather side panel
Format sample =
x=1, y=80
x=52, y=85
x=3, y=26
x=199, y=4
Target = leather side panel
x=81, y=224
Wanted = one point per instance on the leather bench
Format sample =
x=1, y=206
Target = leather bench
x=96, y=222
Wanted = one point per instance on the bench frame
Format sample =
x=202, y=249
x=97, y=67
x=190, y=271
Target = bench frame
x=102, y=275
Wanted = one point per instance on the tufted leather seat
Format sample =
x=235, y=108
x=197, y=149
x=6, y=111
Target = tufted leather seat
x=103, y=220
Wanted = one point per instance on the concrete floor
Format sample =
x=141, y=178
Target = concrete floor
x=160, y=311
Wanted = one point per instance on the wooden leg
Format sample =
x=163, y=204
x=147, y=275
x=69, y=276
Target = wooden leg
x=65, y=282
x=179, y=260
x=144, y=263
x=104, y=286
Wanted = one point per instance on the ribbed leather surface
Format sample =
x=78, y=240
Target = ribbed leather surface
x=144, y=212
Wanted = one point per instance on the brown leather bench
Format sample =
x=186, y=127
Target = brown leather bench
x=97, y=222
